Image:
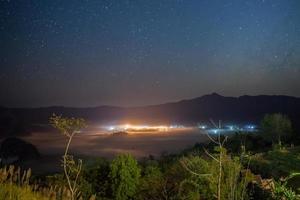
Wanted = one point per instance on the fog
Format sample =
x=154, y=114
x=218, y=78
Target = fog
x=98, y=142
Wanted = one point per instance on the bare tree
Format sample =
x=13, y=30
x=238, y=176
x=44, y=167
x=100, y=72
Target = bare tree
x=69, y=127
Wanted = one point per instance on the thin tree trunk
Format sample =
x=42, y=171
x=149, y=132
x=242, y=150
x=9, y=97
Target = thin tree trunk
x=65, y=166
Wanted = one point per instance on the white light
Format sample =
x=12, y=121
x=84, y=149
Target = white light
x=202, y=127
x=127, y=126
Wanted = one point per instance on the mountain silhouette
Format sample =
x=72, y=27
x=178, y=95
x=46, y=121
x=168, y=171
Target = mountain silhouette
x=241, y=109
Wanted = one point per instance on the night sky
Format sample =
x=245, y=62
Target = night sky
x=127, y=53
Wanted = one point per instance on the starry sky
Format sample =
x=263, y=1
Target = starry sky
x=141, y=52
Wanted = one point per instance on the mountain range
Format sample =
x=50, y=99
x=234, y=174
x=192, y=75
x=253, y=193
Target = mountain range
x=213, y=106
x=241, y=109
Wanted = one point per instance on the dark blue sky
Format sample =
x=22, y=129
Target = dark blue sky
x=87, y=53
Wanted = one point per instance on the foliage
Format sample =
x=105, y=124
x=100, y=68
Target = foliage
x=14, y=184
x=59, y=181
x=256, y=191
x=125, y=175
x=249, y=142
x=276, y=163
x=276, y=127
x=282, y=191
x=192, y=177
x=97, y=175
x=294, y=183
x=205, y=174
x=218, y=170
x=67, y=126
x=13, y=191
x=199, y=176
x=151, y=183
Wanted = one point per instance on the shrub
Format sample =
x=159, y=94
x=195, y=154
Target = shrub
x=125, y=176
x=206, y=172
x=276, y=127
x=151, y=183
x=97, y=175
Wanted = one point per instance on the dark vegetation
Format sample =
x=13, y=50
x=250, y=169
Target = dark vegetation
x=14, y=148
x=263, y=165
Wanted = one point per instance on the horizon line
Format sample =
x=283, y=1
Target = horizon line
x=147, y=105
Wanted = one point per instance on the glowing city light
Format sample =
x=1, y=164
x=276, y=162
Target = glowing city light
x=139, y=129
x=202, y=127
x=143, y=128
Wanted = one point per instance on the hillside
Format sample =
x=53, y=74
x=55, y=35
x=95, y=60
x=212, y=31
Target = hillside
x=235, y=109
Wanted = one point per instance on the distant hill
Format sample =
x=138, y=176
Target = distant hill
x=15, y=150
x=233, y=109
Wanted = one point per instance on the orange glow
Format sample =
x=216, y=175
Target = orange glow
x=132, y=129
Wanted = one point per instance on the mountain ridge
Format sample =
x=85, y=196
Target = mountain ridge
x=190, y=111
x=214, y=94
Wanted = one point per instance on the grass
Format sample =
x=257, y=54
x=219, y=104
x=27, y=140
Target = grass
x=15, y=185
x=12, y=191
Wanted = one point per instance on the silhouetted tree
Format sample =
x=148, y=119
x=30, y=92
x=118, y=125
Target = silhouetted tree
x=275, y=127
x=69, y=127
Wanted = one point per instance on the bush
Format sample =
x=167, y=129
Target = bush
x=97, y=175
x=276, y=163
x=151, y=183
x=276, y=127
x=125, y=175
x=206, y=172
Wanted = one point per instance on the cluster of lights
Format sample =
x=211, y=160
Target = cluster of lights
x=142, y=128
x=215, y=131
x=228, y=128
x=164, y=128
x=203, y=127
x=250, y=127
